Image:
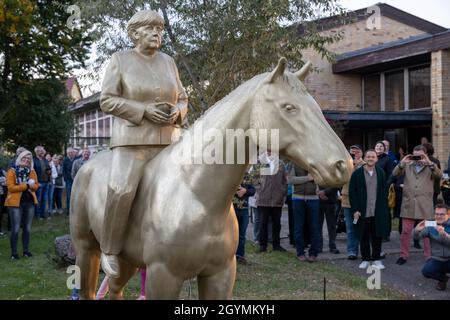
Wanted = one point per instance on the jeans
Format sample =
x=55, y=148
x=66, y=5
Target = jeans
x=328, y=212
x=242, y=218
x=352, y=241
x=306, y=209
x=23, y=214
x=435, y=269
x=57, y=196
x=51, y=190
x=405, y=239
x=68, y=193
x=267, y=214
x=41, y=195
x=369, y=238
x=257, y=225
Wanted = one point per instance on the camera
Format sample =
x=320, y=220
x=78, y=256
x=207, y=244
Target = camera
x=416, y=158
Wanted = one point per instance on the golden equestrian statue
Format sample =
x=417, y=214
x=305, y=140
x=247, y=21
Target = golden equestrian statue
x=181, y=224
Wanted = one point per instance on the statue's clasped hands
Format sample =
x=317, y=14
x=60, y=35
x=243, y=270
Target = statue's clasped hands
x=154, y=112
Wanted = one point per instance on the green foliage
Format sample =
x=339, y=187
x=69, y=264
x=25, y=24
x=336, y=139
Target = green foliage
x=269, y=276
x=40, y=118
x=219, y=44
x=36, y=43
x=4, y=161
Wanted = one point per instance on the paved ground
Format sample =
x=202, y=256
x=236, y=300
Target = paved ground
x=407, y=278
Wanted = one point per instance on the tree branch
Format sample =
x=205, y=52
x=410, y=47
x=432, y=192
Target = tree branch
x=192, y=76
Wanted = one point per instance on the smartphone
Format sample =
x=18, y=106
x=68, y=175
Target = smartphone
x=430, y=224
x=416, y=158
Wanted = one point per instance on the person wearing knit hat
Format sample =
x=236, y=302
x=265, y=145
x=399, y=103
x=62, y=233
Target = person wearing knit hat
x=21, y=199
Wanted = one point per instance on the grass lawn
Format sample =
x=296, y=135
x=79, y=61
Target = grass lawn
x=270, y=275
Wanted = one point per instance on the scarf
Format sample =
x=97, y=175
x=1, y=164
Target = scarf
x=22, y=174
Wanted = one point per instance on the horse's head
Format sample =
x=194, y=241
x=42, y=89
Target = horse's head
x=282, y=102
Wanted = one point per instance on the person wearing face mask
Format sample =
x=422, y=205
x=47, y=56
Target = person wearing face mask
x=22, y=184
x=417, y=201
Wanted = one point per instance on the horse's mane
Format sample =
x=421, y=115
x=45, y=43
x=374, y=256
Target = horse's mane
x=233, y=100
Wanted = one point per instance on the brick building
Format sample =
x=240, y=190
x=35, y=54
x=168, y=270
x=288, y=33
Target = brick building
x=388, y=82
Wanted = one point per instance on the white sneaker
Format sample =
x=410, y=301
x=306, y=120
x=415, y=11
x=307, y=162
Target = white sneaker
x=378, y=264
x=364, y=265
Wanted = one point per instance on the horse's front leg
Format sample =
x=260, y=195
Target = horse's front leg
x=161, y=284
x=116, y=285
x=218, y=286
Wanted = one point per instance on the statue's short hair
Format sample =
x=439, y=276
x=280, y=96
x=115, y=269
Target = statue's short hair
x=143, y=18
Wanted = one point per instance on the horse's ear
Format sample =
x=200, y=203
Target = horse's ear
x=304, y=71
x=279, y=70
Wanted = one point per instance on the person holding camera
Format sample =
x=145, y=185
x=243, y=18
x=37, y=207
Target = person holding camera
x=22, y=184
x=438, y=232
x=417, y=202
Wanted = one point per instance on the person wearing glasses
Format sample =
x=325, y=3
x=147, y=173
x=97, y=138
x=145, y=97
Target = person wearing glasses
x=22, y=183
x=438, y=231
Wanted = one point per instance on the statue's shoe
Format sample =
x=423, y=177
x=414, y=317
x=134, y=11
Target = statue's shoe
x=110, y=265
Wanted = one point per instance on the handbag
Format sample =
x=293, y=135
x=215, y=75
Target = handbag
x=391, y=197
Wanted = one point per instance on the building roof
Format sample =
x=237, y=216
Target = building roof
x=367, y=119
x=84, y=104
x=413, y=50
x=385, y=10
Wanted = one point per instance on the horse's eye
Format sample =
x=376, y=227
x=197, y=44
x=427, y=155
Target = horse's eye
x=289, y=107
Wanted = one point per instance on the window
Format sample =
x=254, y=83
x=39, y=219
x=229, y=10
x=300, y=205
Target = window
x=399, y=90
x=395, y=96
x=107, y=127
x=419, y=87
x=101, y=128
x=372, y=93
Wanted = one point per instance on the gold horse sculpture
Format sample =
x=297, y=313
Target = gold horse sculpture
x=182, y=224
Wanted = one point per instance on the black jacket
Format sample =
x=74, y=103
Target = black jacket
x=386, y=163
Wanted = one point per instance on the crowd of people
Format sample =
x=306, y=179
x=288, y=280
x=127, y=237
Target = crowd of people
x=383, y=186
x=33, y=187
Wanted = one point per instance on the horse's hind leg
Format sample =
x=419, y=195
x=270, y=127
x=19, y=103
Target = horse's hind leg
x=88, y=260
x=218, y=286
x=161, y=284
x=116, y=285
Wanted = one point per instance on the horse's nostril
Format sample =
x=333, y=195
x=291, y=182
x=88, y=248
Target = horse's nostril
x=340, y=165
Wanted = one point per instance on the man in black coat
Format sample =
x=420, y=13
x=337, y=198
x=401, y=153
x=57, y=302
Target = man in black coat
x=368, y=201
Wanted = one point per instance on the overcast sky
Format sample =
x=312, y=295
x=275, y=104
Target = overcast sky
x=436, y=11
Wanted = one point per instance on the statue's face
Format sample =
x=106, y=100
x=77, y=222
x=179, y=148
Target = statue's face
x=149, y=36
